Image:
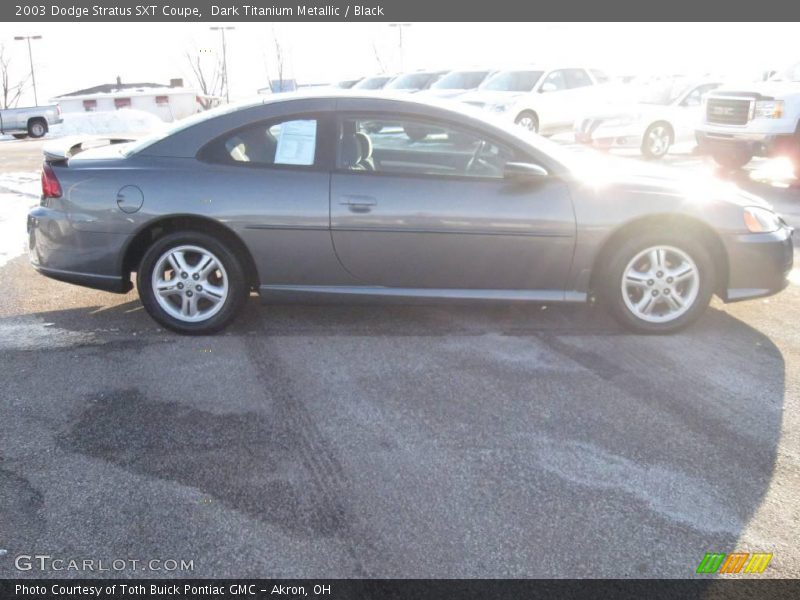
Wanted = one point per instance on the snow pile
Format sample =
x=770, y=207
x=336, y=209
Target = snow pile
x=125, y=120
x=24, y=189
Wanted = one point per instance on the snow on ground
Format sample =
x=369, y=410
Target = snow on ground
x=13, y=224
x=125, y=120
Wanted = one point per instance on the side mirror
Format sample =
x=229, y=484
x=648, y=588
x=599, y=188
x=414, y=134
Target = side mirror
x=547, y=87
x=523, y=171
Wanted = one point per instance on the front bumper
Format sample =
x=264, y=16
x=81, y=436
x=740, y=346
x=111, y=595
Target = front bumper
x=757, y=144
x=90, y=259
x=758, y=264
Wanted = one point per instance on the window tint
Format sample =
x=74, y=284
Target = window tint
x=416, y=147
x=577, y=78
x=284, y=143
x=557, y=79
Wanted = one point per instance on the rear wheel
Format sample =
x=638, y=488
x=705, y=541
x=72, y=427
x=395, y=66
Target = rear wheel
x=37, y=128
x=657, y=283
x=191, y=283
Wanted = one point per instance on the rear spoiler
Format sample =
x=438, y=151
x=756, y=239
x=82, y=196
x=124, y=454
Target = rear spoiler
x=62, y=150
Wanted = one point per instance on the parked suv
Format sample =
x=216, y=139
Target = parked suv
x=540, y=99
x=759, y=119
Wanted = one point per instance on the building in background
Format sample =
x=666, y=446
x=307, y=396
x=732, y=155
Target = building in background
x=168, y=102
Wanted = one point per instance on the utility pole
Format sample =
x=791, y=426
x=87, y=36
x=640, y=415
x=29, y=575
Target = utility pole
x=222, y=30
x=400, y=27
x=30, y=57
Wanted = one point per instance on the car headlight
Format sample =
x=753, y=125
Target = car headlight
x=761, y=220
x=769, y=109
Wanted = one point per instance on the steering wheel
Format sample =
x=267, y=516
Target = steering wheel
x=475, y=158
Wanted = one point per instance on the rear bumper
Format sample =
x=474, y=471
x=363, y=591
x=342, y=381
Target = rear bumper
x=758, y=264
x=59, y=251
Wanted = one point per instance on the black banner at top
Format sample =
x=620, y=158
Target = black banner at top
x=395, y=10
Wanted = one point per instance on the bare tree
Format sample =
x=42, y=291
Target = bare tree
x=378, y=57
x=208, y=75
x=11, y=92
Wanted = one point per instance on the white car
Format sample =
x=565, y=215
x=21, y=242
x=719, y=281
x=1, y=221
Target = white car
x=664, y=112
x=542, y=100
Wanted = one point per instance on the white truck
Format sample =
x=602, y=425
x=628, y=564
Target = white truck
x=33, y=121
x=757, y=119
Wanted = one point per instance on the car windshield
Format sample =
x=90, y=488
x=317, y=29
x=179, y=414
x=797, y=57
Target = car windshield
x=789, y=74
x=460, y=80
x=512, y=81
x=662, y=92
x=411, y=81
x=372, y=83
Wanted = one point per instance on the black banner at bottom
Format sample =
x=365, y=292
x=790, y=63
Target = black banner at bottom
x=390, y=589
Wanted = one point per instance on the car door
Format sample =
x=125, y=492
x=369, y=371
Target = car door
x=423, y=204
x=551, y=99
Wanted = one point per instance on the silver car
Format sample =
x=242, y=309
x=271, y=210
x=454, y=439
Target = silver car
x=300, y=199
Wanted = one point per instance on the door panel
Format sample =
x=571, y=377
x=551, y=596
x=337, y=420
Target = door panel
x=430, y=232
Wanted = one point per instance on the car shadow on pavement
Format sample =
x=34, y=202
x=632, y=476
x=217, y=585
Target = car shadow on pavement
x=435, y=450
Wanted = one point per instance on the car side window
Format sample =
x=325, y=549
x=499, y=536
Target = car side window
x=695, y=97
x=290, y=142
x=392, y=145
x=556, y=79
x=577, y=78
x=599, y=76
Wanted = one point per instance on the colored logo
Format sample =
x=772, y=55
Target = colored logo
x=737, y=562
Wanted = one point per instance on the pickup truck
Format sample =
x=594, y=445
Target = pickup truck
x=758, y=119
x=33, y=121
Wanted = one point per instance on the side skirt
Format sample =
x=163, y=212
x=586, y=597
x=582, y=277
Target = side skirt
x=335, y=293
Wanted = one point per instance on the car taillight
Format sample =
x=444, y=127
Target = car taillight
x=51, y=188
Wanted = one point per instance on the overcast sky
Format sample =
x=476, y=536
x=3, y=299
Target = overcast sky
x=72, y=56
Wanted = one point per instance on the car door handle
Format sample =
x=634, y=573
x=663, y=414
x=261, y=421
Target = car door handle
x=358, y=203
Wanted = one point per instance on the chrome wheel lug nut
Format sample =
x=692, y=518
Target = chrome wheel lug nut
x=195, y=276
x=180, y=286
x=184, y=275
x=650, y=282
x=666, y=291
x=655, y=292
x=189, y=293
x=199, y=288
x=670, y=280
x=660, y=274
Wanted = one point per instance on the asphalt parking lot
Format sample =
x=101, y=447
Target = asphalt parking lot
x=356, y=441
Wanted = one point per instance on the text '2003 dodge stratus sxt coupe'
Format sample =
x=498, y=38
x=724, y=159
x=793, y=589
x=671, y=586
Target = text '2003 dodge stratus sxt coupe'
x=346, y=196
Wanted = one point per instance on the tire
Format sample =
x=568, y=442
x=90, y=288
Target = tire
x=168, y=309
x=528, y=120
x=631, y=277
x=19, y=136
x=657, y=140
x=37, y=128
x=732, y=158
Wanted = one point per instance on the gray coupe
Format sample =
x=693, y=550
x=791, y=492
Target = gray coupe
x=310, y=198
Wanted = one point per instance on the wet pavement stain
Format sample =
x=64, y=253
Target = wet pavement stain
x=245, y=461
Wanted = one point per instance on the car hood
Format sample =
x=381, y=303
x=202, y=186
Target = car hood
x=775, y=89
x=611, y=174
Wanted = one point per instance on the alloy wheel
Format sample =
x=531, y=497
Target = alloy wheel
x=660, y=284
x=190, y=283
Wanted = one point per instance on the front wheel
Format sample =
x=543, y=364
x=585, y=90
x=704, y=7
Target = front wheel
x=528, y=120
x=657, y=140
x=191, y=283
x=733, y=158
x=658, y=284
